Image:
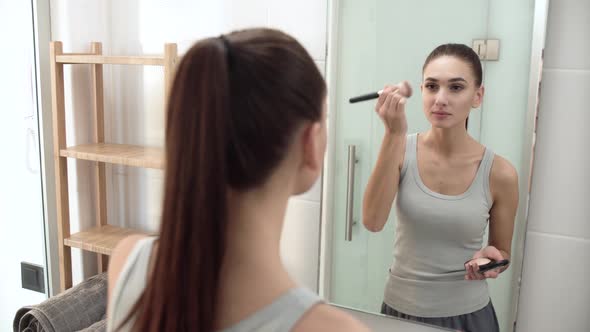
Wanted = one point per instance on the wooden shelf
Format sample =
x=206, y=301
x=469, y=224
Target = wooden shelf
x=101, y=239
x=109, y=60
x=121, y=154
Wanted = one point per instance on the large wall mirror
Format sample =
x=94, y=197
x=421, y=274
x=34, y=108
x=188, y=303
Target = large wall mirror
x=377, y=42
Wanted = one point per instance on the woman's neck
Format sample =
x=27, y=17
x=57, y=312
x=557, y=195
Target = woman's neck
x=447, y=141
x=254, y=226
x=252, y=274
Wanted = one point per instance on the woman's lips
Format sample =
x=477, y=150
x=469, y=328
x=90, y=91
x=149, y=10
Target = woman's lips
x=440, y=115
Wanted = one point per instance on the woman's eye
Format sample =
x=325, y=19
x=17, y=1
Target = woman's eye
x=430, y=86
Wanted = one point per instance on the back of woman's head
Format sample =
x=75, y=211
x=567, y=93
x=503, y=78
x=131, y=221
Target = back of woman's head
x=235, y=104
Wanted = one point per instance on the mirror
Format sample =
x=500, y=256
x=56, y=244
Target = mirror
x=379, y=42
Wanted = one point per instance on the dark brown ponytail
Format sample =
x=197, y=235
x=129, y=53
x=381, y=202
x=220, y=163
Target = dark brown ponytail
x=235, y=103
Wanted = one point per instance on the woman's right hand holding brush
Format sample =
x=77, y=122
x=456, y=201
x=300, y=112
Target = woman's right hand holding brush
x=391, y=107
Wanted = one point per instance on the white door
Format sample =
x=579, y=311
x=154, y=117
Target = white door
x=21, y=202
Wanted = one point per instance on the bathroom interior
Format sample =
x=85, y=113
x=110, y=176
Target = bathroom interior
x=536, y=71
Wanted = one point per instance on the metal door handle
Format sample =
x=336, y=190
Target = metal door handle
x=350, y=192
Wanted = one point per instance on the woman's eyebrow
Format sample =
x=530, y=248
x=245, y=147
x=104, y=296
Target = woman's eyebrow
x=458, y=79
x=455, y=79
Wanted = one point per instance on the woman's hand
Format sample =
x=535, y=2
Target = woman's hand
x=391, y=107
x=472, y=267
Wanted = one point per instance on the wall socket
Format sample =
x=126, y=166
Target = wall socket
x=32, y=277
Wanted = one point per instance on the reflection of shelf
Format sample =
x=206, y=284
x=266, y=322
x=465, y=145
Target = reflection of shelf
x=100, y=239
x=109, y=60
x=121, y=154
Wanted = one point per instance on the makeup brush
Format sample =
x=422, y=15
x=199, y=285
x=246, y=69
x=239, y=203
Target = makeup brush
x=404, y=88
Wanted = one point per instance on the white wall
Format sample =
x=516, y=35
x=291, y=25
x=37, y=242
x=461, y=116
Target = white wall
x=555, y=294
x=134, y=103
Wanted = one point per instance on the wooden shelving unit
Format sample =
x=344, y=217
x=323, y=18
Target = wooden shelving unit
x=104, y=237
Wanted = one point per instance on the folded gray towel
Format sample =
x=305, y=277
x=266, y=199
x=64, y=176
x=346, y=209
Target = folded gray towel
x=99, y=326
x=80, y=308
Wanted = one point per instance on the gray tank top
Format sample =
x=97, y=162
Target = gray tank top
x=281, y=315
x=435, y=235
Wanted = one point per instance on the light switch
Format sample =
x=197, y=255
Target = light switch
x=492, y=49
x=487, y=49
x=479, y=46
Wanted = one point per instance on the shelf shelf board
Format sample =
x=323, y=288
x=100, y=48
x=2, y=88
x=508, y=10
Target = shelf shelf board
x=120, y=154
x=101, y=239
x=109, y=60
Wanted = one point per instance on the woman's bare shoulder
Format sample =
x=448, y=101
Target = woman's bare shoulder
x=119, y=257
x=324, y=317
x=503, y=172
x=503, y=179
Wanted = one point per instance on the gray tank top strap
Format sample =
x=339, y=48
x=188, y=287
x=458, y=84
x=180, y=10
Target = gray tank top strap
x=482, y=179
x=281, y=315
x=131, y=284
x=409, y=154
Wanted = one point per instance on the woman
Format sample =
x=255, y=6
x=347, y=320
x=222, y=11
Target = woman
x=245, y=130
x=448, y=187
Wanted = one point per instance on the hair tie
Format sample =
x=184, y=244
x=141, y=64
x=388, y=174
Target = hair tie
x=228, y=48
x=225, y=41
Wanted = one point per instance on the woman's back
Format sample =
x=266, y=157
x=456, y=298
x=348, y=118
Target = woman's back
x=298, y=309
x=280, y=315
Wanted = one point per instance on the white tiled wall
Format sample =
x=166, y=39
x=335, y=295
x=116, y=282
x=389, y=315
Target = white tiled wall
x=135, y=27
x=300, y=241
x=555, y=294
x=305, y=19
x=567, y=35
x=560, y=176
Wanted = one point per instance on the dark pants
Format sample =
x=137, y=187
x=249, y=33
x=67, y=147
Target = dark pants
x=483, y=320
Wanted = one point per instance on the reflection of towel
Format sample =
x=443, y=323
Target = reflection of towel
x=81, y=308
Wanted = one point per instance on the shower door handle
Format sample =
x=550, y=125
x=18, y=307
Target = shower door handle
x=350, y=192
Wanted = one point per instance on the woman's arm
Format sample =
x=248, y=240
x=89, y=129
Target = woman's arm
x=504, y=190
x=384, y=179
x=383, y=182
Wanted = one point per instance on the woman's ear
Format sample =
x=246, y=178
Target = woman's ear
x=478, y=98
x=313, y=146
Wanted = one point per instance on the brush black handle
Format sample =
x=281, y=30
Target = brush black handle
x=492, y=265
x=367, y=96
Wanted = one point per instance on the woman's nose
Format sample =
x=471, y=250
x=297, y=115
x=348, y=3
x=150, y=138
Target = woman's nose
x=441, y=98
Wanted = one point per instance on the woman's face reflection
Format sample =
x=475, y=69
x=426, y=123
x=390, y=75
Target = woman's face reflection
x=449, y=92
